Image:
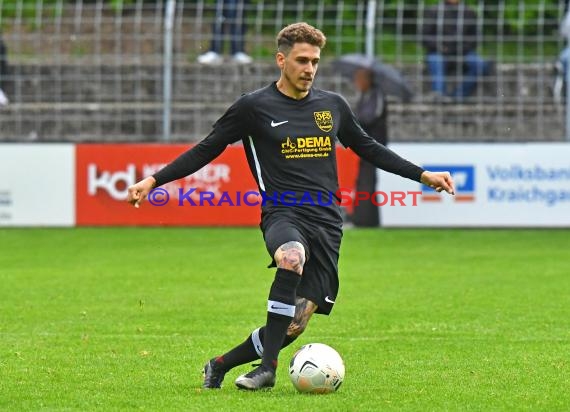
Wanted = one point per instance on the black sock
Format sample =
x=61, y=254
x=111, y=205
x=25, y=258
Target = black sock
x=248, y=351
x=288, y=340
x=280, y=312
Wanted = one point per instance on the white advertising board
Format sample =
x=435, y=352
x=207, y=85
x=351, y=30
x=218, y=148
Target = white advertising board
x=37, y=185
x=498, y=185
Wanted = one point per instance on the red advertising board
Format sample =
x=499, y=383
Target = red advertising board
x=103, y=173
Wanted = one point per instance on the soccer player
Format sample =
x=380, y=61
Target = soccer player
x=288, y=130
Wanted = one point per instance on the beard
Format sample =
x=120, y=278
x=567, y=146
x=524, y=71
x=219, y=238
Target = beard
x=300, y=84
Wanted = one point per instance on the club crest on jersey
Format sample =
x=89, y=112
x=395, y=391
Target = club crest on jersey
x=324, y=120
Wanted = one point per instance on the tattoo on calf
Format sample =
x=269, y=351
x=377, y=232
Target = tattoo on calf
x=304, y=309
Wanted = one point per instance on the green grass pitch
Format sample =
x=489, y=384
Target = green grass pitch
x=426, y=320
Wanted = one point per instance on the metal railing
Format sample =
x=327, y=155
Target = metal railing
x=101, y=71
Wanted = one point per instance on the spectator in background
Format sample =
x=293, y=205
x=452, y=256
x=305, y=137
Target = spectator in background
x=562, y=63
x=3, y=71
x=372, y=113
x=450, y=39
x=229, y=16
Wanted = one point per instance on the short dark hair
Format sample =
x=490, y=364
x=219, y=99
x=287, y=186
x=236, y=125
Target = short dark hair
x=299, y=33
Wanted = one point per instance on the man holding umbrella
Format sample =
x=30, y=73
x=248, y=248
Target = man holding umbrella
x=371, y=78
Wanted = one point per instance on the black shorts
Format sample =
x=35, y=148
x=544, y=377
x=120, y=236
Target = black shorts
x=321, y=240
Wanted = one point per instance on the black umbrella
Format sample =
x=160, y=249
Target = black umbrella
x=386, y=77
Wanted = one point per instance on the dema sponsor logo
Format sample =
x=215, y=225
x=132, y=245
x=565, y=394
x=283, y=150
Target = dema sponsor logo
x=306, y=147
x=464, y=178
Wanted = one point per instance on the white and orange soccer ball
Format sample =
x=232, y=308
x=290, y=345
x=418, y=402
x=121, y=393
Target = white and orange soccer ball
x=316, y=368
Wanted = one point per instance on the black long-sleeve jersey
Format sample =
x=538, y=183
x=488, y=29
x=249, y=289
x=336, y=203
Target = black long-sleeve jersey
x=290, y=148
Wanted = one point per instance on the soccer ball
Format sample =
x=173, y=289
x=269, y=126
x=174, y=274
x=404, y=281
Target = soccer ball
x=316, y=368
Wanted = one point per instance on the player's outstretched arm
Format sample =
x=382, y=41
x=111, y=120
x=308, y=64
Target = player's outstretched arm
x=227, y=130
x=439, y=181
x=138, y=192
